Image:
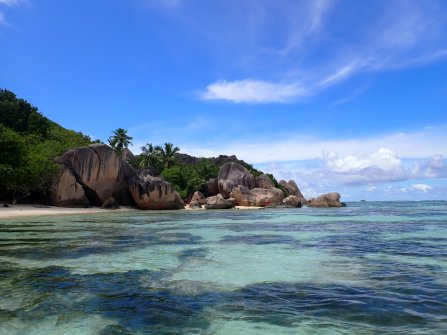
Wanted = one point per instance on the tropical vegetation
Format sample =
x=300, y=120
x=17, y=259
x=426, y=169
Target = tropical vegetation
x=120, y=140
x=29, y=144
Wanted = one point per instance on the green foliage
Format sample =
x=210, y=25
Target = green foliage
x=20, y=116
x=167, y=154
x=120, y=140
x=28, y=144
x=185, y=179
x=278, y=185
x=150, y=156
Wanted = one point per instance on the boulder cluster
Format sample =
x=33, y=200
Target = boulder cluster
x=97, y=176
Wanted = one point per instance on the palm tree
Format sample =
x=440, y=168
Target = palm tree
x=151, y=156
x=167, y=154
x=120, y=140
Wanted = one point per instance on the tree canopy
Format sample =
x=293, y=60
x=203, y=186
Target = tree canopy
x=29, y=142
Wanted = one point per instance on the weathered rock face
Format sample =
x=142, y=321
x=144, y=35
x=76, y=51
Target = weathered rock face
x=154, y=193
x=326, y=200
x=96, y=168
x=110, y=203
x=292, y=201
x=127, y=155
x=293, y=189
x=232, y=175
x=194, y=204
x=67, y=191
x=198, y=197
x=264, y=181
x=212, y=187
x=219, y=202
x=259, y=197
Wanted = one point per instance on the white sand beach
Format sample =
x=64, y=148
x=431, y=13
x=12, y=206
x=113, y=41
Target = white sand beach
x=39, y=210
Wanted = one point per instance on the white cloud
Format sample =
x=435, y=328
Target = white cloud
x=253, y=91
x=10, y=2
x=398, y=34
x=419, y=144
x=421, y=187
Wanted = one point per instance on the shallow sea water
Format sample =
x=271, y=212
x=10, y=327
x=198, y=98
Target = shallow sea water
x=369, y=268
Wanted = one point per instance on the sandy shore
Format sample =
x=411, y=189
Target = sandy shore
x=38, y=210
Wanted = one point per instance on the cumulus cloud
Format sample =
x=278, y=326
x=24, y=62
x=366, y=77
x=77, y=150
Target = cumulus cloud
x=379, y=166
x=421, y=187
x=253, y=91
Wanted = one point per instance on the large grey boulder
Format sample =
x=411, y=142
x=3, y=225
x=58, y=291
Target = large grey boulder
x=293, y=189
x=292, y=201
x=259, y=197
x=198, y=197
x=232, y=175
x=154, y=193
x=219, y=202
x=66, y=191
x=326, y=200
x=264, y=181
x=97, y=168
x=212, y=187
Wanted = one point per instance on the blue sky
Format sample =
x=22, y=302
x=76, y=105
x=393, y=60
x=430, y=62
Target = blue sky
x=347, y=96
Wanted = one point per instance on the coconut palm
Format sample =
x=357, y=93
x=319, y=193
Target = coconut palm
x=120, y=140
x=167, y=154
x=151, y=156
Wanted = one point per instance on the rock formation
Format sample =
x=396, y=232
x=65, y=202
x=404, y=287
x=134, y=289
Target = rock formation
x=264, y=181
x=198, y=197
x=219, y=202
x=259, y=197
x=293, y=189
x=292, y=201
x=232, y=175
x=96, y=175
x=96, y=168
x=127, y=155
x=326, y=200
x=194, y=204
x=67, y=192
x=212, y=187
x=154, y=193
x=110, y=203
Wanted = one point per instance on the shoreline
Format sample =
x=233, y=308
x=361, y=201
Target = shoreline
x=18, y=211
x=29, y=210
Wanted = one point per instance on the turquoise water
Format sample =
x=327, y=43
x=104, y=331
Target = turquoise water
x=369, y=268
